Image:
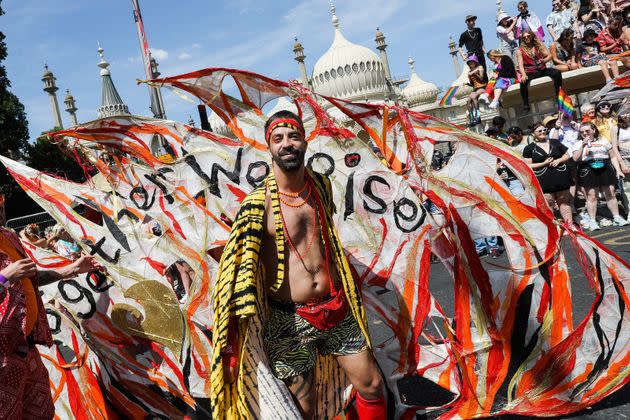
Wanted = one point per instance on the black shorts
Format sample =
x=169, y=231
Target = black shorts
x=589, y=177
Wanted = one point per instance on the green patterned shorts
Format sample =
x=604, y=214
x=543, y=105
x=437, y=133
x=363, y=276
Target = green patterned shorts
x=292, y=342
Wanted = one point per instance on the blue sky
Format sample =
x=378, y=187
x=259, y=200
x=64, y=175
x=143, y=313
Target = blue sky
x=187, y=35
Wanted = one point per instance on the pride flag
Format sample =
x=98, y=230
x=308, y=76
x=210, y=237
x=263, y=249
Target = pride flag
x=565, y=105
x=448, y=97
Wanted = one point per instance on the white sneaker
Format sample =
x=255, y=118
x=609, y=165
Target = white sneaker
x=484, y=98
x=591, y=225
x=620, y=221
x=605, y=222
x=494, y=104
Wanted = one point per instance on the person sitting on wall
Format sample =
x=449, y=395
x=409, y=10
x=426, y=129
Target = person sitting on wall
x=564, y=53
x=590, y=55
x=504, y=77
x=533, y=57
x=478, y=79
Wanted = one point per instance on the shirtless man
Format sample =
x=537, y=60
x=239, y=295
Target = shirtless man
x=314, y=304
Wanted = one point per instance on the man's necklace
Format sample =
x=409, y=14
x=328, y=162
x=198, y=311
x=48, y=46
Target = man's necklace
x=472, y=33
x=295, y=204
x=292, y=246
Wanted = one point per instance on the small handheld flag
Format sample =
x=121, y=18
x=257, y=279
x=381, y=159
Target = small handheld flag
x=565, y=105
x=448, y=97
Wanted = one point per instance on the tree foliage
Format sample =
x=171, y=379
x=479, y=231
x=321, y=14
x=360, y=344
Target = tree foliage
x=13, y=139
x=54, y=158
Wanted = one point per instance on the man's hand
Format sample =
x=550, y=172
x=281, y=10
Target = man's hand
x=19, y=269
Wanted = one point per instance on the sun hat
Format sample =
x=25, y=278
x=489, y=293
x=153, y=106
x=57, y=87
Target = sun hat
x=502, y=16
x=495, y=53
x=473, y=57
x=549, y=119
x=470, y=17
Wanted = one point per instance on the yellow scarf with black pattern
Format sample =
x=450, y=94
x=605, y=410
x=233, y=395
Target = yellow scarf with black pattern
x=240, y=292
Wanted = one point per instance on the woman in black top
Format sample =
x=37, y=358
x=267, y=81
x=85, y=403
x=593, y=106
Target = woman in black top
x=548, y=158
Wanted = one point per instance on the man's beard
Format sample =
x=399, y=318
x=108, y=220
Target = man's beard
x=291, y=164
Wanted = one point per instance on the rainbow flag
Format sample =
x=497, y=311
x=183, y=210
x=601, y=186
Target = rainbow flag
x=448, y=97
x=565, y=105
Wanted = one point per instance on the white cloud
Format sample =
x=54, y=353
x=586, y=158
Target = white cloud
x=195, y=46
x=184, y=56
x=159, y=54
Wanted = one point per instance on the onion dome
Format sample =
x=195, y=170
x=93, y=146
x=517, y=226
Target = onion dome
x=218, y=125
x=283, y=104
x=418, y=91
x=349, y=71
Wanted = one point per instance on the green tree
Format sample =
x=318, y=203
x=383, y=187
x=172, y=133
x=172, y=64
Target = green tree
x=54, y=157
x=13, y=140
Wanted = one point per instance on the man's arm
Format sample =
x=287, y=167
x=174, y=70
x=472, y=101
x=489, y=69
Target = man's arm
x=85, y=264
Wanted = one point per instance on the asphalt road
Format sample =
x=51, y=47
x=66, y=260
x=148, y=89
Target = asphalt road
x=617, y=406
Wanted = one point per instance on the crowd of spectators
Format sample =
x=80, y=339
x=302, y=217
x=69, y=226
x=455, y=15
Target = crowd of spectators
x=577, y=161
x=575, y=34
x=54, y=238
x=584, y=161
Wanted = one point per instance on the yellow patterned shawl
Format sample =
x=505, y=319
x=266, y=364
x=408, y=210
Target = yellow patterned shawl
x=240, y=292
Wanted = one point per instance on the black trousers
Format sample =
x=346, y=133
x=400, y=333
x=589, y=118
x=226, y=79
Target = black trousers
x=555, y=75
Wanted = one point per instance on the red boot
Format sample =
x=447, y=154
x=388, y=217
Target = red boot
x=371, y=409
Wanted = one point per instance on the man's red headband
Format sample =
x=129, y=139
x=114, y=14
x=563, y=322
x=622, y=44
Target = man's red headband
x=284, y=122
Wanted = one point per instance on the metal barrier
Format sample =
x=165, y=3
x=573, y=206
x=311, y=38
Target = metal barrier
x=42, y=219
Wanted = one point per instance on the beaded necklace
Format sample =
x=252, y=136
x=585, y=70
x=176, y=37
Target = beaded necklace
x=294, y=195
x=297, y=204
x=317, y=214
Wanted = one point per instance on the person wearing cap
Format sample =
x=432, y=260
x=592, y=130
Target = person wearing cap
x=478, y=79
x=528, y=21
x=590, y=55
x=559, y=19
x=504, y=76
x=472, y=40
x=506, y=32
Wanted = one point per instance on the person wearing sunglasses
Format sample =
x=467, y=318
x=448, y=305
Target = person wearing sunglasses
x=597, y=172
x=548, y=159
x=533, y=57
x=605, y=120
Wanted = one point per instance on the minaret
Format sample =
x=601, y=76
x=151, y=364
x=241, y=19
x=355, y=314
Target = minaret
x=111, y=102
x=453, y=51
x=51, y=88
x=381, y=46
x=499, y=8
x=71, y=107
x=300, y=57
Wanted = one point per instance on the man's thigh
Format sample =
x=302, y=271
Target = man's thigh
x=360, y=368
